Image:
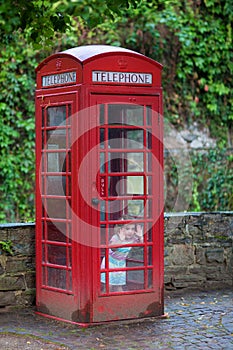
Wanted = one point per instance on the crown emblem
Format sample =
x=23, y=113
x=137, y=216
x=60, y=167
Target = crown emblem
x=58, y=64
x=122, y=63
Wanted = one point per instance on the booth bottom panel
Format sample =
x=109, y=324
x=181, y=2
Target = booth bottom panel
x=57, y=305
x=127, y=307
x=114, y=308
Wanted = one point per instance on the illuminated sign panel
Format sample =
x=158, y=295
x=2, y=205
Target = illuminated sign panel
x=121, y=77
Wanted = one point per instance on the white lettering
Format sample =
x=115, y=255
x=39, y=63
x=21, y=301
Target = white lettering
x=121, y=77
x=57, y=79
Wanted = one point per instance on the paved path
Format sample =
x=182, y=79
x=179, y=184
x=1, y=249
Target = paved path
x=198, y=320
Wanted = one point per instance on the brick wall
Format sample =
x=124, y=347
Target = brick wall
x=198, y=254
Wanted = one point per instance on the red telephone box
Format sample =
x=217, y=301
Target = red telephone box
x=99, y=187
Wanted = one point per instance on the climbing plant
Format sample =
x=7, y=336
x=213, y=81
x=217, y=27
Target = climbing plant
x=193, y=41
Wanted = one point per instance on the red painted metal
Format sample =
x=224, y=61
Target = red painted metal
x=99, y=163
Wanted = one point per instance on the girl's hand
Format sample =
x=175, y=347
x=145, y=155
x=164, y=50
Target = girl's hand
x=121, y=234
x=139, y=231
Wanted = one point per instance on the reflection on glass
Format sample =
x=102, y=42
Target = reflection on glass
x=125, y=114
x=149, y=139
x=102, y=138
x=149, y=208
x=149, y=184
x=56, y=208
x=135, y=257
x=102, y=163
x=126, y=162
x=134, y=162
x=149, y=232
x=102, y=211
x=57, y=231
x=150, y=279
x=148, y=115
x=103, y=234
x=56, y=139
x=134, y=139
x=56, y=116
x=56, y=185
x=149, y=255
x=56, y=255
x=101, y=111
x=56, y=162
x=56, y=278
x=135, y=280
x=125, y=185
x=149, y=161
x=125, y=138
x=136, y=208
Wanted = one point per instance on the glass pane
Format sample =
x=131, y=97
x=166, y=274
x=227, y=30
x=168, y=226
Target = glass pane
x=149, y=208
x=102, y=162
x=101, y=111
x=57, y=231
x=149, y=161
x=134, y=115
x=135, y=280
x=56, y=116
x=103, y=282
x=54, y=185
x=136, y=257
x=150, y=279
x=149, y=255
x=102, y=211
x=57, y=278
x=125, y=207
x=149, y=184
x=136, y=208
x=56, y=255
x=56, y=139
x=126, y=162
x=125, y=114
x=102, y=138
x=125, y=185
x=149, y=232
x=56, y=208
x=149, y=139
x=134, y=139
x=56, y=162
x=148, y=115
x=135, y=162
x=103, y=235
x=125, y=138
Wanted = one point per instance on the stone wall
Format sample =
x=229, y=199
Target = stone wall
x=17, y=272
x=198, y=254
x=198, y=250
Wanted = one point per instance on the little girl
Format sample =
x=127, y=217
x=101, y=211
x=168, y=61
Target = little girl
x=123, y=234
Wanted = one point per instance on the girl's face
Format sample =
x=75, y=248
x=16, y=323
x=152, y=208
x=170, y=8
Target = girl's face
x=129, y=231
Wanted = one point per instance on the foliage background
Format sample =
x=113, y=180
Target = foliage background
x=191, y=38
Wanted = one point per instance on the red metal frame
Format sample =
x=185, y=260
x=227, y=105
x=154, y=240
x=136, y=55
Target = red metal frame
x=79, y=174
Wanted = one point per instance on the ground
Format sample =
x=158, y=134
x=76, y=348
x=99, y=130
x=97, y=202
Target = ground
x=197, y=320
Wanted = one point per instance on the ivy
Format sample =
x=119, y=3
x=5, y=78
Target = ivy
x=193, y=41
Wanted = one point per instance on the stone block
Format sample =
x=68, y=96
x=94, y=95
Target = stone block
x=19, y=264
x=7, y=298
x=15, y=282
x=215, y=255
x=200, y=255
x=183, y=255
x=30, y=278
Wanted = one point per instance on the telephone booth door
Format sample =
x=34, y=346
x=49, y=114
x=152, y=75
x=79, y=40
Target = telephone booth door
x=129, y=176
x=55, y=251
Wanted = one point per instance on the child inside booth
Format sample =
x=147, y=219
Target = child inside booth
x=123, y=234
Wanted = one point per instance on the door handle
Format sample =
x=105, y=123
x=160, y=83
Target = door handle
x=95, y=201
